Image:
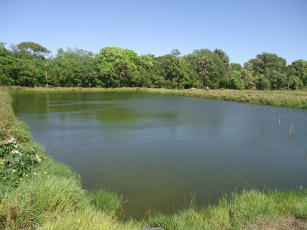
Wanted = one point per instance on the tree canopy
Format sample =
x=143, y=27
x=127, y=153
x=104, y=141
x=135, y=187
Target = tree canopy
x=32, y=47
x=28, y=64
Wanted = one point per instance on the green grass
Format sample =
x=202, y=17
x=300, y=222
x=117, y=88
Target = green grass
x=50, y=196
x=6, y=115
x=240, y=210
x=86, y=219
x=106, y=201
x=284, y=98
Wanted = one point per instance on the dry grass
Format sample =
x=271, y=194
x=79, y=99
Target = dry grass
x=288, y=223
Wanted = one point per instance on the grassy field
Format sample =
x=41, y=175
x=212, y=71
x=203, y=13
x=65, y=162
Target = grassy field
x=285, y=98
x=38, y=193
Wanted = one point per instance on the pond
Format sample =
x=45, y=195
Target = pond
x=160, y=152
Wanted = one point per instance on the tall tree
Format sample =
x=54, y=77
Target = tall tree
x=273, y=67
x=3, y=51
x=222, y=55
x=175, y=70
x=298, y=69
x=33, y=48
x=209, y=67
x=117, y=66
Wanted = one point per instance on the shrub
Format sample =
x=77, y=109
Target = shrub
x=16, y=163
x=262, y=83
x=296, y=83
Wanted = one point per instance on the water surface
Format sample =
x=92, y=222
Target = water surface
x=160, y=150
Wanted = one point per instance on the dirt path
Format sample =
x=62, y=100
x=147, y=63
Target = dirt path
x=287, y=224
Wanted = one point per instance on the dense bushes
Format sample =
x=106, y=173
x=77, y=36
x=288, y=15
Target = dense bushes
x=262, y=82
x=16, y=162
x=28, y=64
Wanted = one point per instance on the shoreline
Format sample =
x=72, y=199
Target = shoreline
x=287, y=98
x=51, y=197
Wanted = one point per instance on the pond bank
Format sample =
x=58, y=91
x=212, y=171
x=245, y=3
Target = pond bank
x=51, y=197
x=287, y=98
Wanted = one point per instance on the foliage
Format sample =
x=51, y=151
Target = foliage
x=265, y=62
x=295, y=82
x=33, y=48
x=29, y=64
x=210, y=69
x=15, y=164
x=299, y=69
x=222, y=55
x=117, y=66
x=73, y=68
x=262, y=82
x=233, y=80
x=235, y=66
x=174, y=70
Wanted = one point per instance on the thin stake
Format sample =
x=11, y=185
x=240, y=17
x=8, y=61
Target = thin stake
x=262, y=128
x=291, y=131
x=279, y=116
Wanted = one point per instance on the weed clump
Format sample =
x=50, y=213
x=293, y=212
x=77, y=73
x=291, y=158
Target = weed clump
x=106, y=201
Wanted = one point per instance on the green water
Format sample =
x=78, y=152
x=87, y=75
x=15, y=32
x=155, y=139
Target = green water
x=159, y=151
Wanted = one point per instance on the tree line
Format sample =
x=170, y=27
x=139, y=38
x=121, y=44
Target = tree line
x=30, y=64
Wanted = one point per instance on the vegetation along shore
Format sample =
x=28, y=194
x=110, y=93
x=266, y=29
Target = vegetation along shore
x=153, y=115
x=29, y=64
x=39, y=193
x=284, y=98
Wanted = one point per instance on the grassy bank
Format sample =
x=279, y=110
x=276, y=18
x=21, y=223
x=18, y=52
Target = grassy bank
x=286, y=98
x=38, y=193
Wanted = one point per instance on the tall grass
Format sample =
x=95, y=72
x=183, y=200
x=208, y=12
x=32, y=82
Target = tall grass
x=6, y=118
x=106, y=201
x=87, y=219
x=250, y=208
x=39, y=199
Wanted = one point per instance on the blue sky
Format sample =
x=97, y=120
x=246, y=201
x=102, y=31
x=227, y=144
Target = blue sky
x=242, y=28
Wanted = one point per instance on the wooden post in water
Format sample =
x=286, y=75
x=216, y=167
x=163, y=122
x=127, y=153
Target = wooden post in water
x=291, y=131
x=262, y=128
x=279, y=116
